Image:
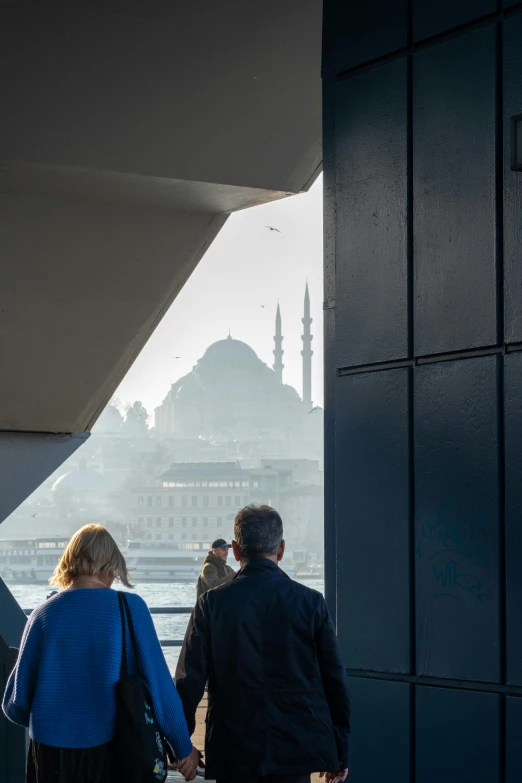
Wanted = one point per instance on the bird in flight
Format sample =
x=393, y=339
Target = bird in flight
x=262, y=306
x=271, y=228
x=177, y=357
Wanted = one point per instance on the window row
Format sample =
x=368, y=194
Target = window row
x=213, y=484
x=180, y=522
x=170, y=537
x=196, y=500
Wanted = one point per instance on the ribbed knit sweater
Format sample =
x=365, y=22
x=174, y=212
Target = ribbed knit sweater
x=63, y=685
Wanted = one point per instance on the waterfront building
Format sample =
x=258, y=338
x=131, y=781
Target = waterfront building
x=193, y=501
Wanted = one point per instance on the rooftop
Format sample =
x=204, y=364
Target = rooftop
x=201, y=468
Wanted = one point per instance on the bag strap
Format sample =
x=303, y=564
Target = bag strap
x=123, y=665
x=124, y=605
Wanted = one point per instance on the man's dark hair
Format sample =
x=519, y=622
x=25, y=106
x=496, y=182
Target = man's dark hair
x=258, y=531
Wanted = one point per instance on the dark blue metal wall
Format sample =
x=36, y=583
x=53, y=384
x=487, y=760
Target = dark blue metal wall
x=423, y=353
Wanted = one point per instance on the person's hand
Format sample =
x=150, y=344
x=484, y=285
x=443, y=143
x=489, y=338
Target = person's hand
x=335, y=777
x=187, y=766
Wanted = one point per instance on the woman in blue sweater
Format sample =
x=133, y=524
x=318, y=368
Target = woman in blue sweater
x=63, y=685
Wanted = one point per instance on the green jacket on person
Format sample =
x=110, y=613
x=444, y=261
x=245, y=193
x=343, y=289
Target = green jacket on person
x=214, y=573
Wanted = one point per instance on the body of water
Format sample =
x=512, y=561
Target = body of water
x=155, y=594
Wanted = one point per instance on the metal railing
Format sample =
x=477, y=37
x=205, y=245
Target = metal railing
x=158, y=610
x=171, y=610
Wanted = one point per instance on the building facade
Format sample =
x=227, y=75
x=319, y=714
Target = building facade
x=302, y=510
x=198, y=501
x=190, y=502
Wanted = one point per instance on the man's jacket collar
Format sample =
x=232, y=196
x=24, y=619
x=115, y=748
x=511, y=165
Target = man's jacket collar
x=212, y=558
x=260, y=565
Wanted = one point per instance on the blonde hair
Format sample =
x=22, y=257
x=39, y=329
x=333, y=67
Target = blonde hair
x=92, y=551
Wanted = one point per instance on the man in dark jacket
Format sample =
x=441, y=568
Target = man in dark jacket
x=215, y=571
x=278, y=704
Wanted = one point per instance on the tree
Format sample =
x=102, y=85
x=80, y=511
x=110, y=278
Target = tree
x=135, y=424
x=110, y=421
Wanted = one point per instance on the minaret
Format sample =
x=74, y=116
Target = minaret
x=278, y=350
x=307, y=352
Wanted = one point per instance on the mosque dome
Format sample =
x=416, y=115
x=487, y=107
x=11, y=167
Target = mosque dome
x=81, y=480
x=233, y=394
x=230, y=351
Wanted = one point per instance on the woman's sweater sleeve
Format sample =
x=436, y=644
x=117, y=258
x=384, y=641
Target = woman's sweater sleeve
x=155, y=672
x=21, y=685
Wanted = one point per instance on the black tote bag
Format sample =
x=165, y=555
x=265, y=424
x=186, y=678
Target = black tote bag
x=140, y=746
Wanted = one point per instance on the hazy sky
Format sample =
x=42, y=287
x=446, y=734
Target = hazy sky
x=246, y=267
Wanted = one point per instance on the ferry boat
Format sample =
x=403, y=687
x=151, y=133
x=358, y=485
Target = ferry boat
x=167, y=561
x=29, y=560
x=32, y=561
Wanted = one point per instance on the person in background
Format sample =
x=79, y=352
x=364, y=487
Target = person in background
x=215, y=570
x=279, y=707
x=63, y=684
